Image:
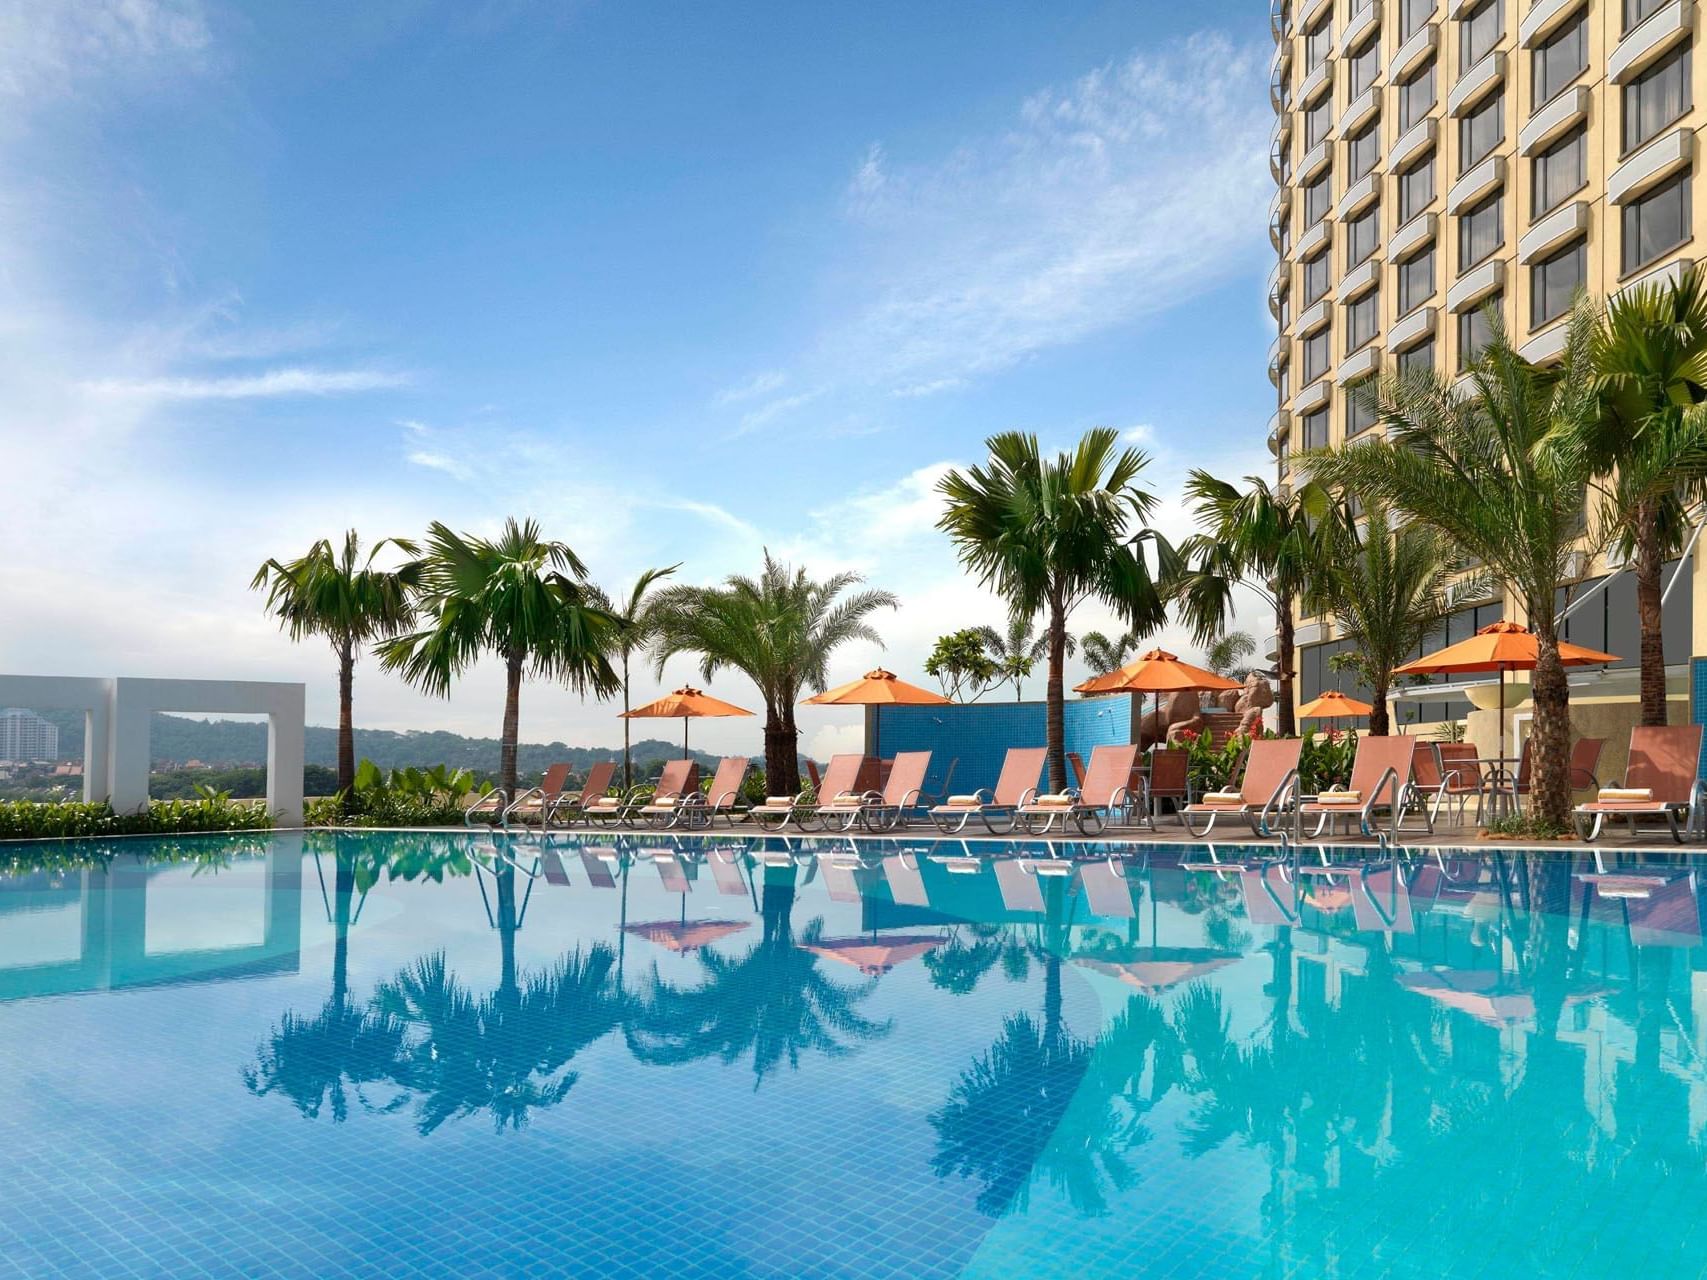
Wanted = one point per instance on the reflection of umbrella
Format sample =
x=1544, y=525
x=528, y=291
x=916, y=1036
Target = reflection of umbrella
x=874, y=955
x=1153, y=970
x=1329, y=898
x=686, y=935
x=1501, y=647
x=1482, y=994
x=877, y=688
x=1332, y=705
x=1157, y=672
x=686, y=703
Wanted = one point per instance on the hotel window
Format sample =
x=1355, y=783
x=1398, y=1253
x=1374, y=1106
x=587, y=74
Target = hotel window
x=1412, y=14
x=1481, y=131
x=1657, y=223
x=1317, y=197
x=1285, y=317
x=1416, y=189
x=1315, y=277
x=1474, y=330
x=1364, y=151
x=1656, y=98
x=1479, y=32
x=1365, y=66
x=1359, y=407
x=1318, y=352
x=1416, y=281
x=1481, y=230
x=1416, y=97
x=1362, y=321
x=1361, y=234
x=1555, y=281
x=1560, y=59
x=1319, y=121
x=1419, y=357
x=1316, y=429
x=1636, y=10
x=1318, y=43
x=1561, y=171
x=1286, y=238
x=1285, y=384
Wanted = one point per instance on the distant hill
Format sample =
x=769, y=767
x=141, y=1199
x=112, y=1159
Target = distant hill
x=240, y=742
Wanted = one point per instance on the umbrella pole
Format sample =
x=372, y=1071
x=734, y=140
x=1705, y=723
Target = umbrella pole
x=685, y=755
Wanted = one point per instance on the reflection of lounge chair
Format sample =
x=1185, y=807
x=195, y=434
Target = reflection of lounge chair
x=535, y=804
x=906, y=885
x=575, y=805
x=726, y=871
x=1106, y=888
x=1381, y=900
x=600, y=863
x=1659, y=785
x=1103, y=798
x=886, y=809
x=1270, y=894
x=1016, y=786
x=1271, y=770
x=1380, y=781
x=840, y=778
x=672, y=873
x=1660, y=904
x=1018, y=885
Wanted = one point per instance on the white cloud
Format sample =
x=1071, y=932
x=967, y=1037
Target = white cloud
x=272, y=383
x=756, y=418
x=759, y=384
x=53, y=48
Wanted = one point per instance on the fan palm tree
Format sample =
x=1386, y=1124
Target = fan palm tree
x=1224, y=654
x=1388, y=589
x=1016, y=649
x=638, y=613
x=1262, y=538
x=1478, y=468
x=1049, y=534
x=1649, y=446
x=340, y=595
x=1103, y=654
x=779, y=629
x=518, y=597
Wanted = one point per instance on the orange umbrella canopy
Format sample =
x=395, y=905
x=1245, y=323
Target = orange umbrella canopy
x=1483, y=994
x=1157, y=671
x=685, y=936
x=686, y=703
x=1499, y=646
x=874, y=955
x=1154, y=969
x=1333, y=704
x=877, y=688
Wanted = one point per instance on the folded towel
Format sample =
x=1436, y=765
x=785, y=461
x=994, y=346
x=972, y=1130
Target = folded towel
x=1340, y=797
x=963, y=802
x=778, y=802
x=1626, y=793
x=1055, y=799
x=604, y=802
x=1223, y=797
x=847, y=797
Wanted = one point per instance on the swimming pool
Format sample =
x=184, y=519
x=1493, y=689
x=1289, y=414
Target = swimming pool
x=360, y=1054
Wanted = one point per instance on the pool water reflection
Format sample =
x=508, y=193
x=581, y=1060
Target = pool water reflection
x=412, y=1054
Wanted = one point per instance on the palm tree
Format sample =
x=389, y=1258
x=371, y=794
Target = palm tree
x=523, y=599
x=342, y=596
x=1261, y=538
x=638, y=615
x=1016, y=649
x=779, y=629
x=1388, y=589
x=1649, y=446
x=1047, y=535
x=1224, y=654
x=1103, y=654
x=1476, y=468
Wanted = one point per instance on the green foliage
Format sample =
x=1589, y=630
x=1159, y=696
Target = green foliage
x=25, y=820
x=248, y=782
x=962, y=665
x=408, y=797
x=1324, y=760
x=1225, y=654
x=1103, y=655
x=1016, y=650
x=1523, y=826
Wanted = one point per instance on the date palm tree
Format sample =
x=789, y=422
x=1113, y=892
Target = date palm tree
x=341, y=595
x=638, y=613
x=1016, y=648
x=1262, y=538
x=1649, y=446
x=1388, y=589
x=1103, y=654
x=779, y=629
x=1479, y=468
x=1224, y=654
x=517, y=597
x=1049, y=534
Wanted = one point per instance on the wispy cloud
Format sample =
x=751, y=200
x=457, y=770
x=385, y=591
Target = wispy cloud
x=259, y=386
x=753, y=419
x=760, y=384
x=49, y=48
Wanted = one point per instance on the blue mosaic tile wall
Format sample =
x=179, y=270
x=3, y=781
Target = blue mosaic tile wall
x=978, y=735
x=1698, y=706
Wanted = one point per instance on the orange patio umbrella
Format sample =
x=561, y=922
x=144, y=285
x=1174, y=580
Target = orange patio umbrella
x=1332, y=705
x=1501, y=647
x=686, y=935
x=687, y=703
x=1157, y=672
x=877, y=688
x=874, y=955
x=1483, y=994
x=1154, y=969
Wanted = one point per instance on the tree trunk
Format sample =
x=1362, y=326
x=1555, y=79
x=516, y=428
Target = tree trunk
x=1286, y=723
x=782, y=763
x=627, y=757
x=1550, y=733
x=1649, y=615
x=504, y=910
x=344, y=885
x=512, y=724
x=1054, y=726
x=1378, y=724
x=346, y=722
x=790, y=750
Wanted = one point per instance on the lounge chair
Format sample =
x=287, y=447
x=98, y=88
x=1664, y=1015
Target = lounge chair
x=1584, y=767
x=537, y=802
x=576, y=803
x=677, y=782
x=1380, y=780
x=881, y=810
x=698, y=808
x=1104, y=797
x=996, y=809
x=841, y=776
x=1169, y=778
x=1270, y=773
x=1660, y=784
x=1439, y=780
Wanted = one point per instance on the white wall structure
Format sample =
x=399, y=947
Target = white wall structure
x=117, y=712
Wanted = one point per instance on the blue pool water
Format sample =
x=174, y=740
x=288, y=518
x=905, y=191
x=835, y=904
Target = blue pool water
x=438, y=1055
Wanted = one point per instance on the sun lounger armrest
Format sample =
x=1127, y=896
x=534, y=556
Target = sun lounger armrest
x=1273, y=806
x=1697, y=805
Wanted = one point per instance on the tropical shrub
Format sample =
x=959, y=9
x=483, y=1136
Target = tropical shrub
x=1324, y=760
x=26, y=820
x=407, y=797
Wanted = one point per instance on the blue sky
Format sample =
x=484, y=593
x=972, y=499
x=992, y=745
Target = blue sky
x=682, y=282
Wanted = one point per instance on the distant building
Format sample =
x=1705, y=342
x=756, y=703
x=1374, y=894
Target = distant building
x=25, y=736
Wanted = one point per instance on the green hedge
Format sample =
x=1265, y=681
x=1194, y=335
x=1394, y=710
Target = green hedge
x=28, y=820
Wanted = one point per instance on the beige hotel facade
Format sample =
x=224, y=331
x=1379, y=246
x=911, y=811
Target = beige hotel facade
x=1437, y=157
